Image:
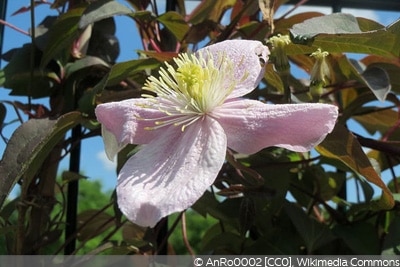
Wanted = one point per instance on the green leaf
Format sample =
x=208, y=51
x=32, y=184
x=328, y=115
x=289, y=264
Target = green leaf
x=360, y=237
x=86, y=62
x=175, y=23
x=375, y=78
x=210, y=10
x=62, y=34
x=102, y=9
x=124, y=70
x=342, y=145
x=91, y=223
x=341, y=33
x=391, y=243
x=314, y=234
x=29, y=146
x=17, y=75
x=377, y=121
x=337, y=23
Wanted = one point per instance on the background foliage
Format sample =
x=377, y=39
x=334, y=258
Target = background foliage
x=330, y=201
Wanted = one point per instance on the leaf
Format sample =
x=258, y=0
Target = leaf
x=391, y=243
x=62, y=34
x=314, y=234
x=378, y=120
x=17, y=75
x=160, y=56
x=360, y=237
x=282, y=25
x=102, y=9
x=343, y=146
x=29, y=146
x=337, y=23
x=91, y=223
x=175, y=23
x=375, y=78
x=210, y=9
x=341, y=33
x=123, y=70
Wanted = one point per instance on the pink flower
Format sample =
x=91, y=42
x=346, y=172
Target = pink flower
x=186, y=129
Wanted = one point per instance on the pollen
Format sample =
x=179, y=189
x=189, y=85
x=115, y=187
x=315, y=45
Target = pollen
x=191, y=89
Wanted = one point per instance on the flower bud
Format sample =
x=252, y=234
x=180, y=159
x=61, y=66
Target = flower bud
x=278, y=53
x=320, y=73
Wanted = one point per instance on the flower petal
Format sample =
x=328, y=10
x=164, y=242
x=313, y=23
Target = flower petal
x=111, y=145
x=249, y=58
x=251, y=125
x=128, y=119
x=172, y=172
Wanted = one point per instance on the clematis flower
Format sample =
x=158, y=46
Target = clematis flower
x=196, y=114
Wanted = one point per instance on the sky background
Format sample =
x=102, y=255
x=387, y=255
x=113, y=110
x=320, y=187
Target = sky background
x=94, y=163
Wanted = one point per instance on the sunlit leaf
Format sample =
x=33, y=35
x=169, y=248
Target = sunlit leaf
x=175, y=23
x=378, y=120
x=160, y=56
x=341, y=33
x=210, y=9
x=29, y=146
x=283, y=25
x=337, y=23
x=123, y=70
x=342, y=145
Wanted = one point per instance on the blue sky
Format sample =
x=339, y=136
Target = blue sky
x=94, y=163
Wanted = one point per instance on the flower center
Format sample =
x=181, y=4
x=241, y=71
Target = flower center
x=193, y=89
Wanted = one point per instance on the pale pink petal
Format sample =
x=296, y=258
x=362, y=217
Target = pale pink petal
x=251, y=125
x=111, y=145
x=172, y=172
x=127, y=120
x=249, y=58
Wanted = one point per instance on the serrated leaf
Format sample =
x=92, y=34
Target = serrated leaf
x=102, y=9
x=175, y=23
x=343, y=146
x=29, y=146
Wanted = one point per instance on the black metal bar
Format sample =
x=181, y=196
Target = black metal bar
x=72, y=195
x=337, y=6
x=171, y=5
x=3, y=11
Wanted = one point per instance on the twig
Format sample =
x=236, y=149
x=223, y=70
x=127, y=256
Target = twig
x=184, y=235
x=5, y=23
